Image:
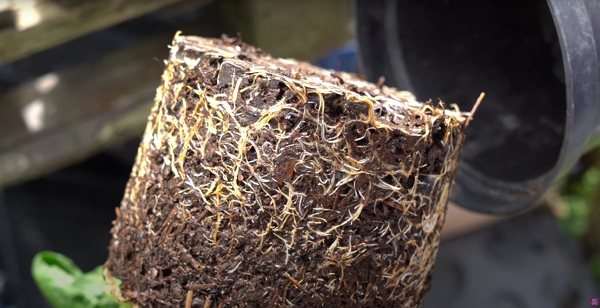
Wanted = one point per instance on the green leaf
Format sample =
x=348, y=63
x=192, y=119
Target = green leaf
x=65, y=286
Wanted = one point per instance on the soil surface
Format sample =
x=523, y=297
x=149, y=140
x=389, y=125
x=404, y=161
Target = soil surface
x=264, y=182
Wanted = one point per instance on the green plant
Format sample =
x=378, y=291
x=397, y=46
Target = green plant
x=575, y=211
x=65, y=286
x=577, y=195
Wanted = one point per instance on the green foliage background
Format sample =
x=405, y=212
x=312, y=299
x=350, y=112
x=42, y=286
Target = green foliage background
x=579, y=195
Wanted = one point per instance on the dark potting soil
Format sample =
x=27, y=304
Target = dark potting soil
x=264, y=182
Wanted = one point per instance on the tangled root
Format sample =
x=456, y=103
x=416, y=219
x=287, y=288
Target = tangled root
x=264, y=182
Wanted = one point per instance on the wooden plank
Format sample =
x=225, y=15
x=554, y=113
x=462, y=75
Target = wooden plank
x=89, y=108
x=65, y=23
x=289, y=28
x=61, y=118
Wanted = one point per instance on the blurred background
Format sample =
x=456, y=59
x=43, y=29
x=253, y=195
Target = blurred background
x=77, y=81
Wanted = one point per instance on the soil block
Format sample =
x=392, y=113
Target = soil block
x=264, y=182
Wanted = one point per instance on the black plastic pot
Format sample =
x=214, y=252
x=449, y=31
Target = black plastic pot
x=538, y=62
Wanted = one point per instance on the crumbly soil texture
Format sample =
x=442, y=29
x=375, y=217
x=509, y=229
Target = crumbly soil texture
x=264, y=182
